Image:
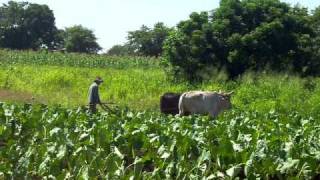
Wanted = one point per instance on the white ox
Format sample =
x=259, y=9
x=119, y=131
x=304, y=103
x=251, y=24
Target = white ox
x=204, y=102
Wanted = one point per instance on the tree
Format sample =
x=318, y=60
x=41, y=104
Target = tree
x=190, y=48
x=243, y=35
x=314, y=48
x=59, y=40
x=25, y=25
x=148, y=42
x=80, y=39
x=120, y=50
x=316, y=20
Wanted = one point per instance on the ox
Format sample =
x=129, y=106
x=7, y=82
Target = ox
x=204, y=102
x=169, y=103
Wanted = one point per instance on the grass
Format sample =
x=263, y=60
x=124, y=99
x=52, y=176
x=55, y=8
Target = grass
x=140, y=88
x=138, y=82
x=134, y=87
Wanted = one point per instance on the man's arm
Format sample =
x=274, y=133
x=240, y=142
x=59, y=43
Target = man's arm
x=91, y=95
x=98, y=97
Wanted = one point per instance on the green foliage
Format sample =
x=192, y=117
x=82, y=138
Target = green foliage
x=80, y=39
x=138, y=82
x=121, y=50
x=148, y=42
x=272, y=131
x=314, y=48
x=316, y=19
x=53, y=142
x=244, y=35
x=32, y=26
x=26, y=25
x=138, y=88
x=188, y=49
x=45, y=57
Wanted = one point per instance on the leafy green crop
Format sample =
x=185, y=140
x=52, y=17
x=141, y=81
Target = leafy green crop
x=39, y=142
x=75, y=60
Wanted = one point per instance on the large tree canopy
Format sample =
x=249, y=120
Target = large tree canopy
x=316, y=19
x=25, y=25
x=243, y=35
x=121, y=50
x=147, y=41
x=80, y=39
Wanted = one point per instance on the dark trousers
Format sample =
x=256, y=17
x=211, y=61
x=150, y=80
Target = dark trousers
x=93, y=108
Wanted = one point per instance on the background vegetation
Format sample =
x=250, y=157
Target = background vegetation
x=238, y=36
x=26, y=25
x=268, y=48
x=139, y=82
x=249, y=35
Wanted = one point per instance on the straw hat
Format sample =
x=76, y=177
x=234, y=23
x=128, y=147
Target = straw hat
x=98, y=80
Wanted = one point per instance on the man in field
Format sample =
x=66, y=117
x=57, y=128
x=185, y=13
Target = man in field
x=94, y=97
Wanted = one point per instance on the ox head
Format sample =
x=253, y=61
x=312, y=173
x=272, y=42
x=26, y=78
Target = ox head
x=226, y=99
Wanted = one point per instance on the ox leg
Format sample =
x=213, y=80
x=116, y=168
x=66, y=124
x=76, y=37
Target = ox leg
x=181, y=112
x=180, y=105
x=213, y=114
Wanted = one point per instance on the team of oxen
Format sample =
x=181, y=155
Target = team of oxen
x=195, y=102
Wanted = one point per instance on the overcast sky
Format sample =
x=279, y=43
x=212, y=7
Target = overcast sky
x=112, y=19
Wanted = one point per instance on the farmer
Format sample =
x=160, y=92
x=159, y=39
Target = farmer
x=94, y=97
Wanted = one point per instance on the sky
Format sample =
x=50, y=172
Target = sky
x=111, y=20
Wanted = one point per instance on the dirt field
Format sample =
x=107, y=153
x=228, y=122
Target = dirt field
x=8, y=95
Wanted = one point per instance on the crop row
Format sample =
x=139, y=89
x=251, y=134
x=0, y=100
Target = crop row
x=75, y=60
x=42, y=142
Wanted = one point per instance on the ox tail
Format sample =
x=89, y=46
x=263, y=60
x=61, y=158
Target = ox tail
x=180, y=106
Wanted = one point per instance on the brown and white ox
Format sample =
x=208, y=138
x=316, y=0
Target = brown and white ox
x=204, y=102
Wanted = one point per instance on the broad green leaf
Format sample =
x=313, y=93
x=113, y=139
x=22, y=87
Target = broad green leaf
x=61, y=151
x=236, y=147
x=165, y=155
x=54, y=131
x=118, y=153
x=288, y=166
x=84, y=172
x=83, y=136
x=235, y=170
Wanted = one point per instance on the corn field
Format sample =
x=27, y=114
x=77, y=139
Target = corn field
x=75, y=60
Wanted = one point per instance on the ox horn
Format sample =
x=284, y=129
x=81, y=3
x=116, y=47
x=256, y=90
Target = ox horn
x=229, y=93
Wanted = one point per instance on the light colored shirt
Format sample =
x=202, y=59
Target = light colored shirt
x=93, y=95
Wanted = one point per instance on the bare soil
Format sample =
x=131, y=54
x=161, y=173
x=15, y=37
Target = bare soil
x=22, y=97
